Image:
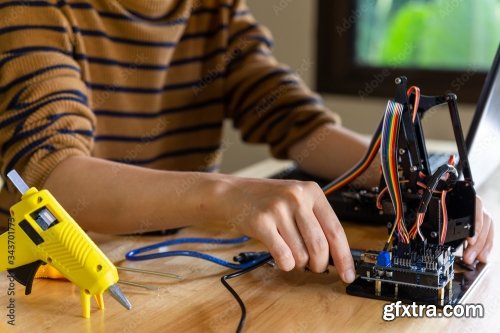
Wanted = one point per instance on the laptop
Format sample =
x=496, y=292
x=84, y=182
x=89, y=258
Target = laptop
x=482, y=142
x=483, y=137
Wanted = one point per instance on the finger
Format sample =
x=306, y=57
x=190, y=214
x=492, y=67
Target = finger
x=314, y=239
x=337, y=241
x=270, y=237
x=485, y=252
x=478, y=221
x=289, y=231
x=472, y=251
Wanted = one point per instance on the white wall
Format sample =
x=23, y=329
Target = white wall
x=293, y=23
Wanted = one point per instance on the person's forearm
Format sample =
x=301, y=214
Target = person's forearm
x=292, y=219
x=109, y=197
x=331, y=150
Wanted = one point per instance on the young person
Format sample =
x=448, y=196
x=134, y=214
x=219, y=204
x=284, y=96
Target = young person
x=117, y=108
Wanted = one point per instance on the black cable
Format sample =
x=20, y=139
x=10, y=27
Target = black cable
x=432, y=184
x=226, y=277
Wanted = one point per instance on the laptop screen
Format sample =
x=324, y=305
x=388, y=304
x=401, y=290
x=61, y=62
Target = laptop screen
x=483, y=139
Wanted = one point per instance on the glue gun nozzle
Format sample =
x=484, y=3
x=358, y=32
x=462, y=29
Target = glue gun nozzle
x=117, y=294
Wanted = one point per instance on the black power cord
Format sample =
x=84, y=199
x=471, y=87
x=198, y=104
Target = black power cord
x=264, y=259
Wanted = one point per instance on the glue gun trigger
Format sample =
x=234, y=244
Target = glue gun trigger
x=26, y=274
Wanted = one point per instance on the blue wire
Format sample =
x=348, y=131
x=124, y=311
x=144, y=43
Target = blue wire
x=134, y=254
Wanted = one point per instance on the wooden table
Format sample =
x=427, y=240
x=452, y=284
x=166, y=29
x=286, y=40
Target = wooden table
x=276, y=301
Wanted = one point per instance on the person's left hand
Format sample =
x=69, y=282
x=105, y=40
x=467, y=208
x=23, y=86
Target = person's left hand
x=479, y=246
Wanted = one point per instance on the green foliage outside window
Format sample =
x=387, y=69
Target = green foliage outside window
x=430, y=34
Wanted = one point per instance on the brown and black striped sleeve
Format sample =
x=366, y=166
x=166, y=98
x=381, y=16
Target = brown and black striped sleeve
x=267, y=101
x=44, y=113
x=64, y=64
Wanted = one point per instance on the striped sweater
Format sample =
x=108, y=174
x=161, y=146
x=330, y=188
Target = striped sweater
x=143, y=82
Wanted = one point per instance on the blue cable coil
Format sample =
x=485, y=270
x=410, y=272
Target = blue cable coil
x=135, y=255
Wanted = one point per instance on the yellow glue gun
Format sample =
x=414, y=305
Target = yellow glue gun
x=41, y=231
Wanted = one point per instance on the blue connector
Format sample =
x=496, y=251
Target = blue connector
x=384, y=259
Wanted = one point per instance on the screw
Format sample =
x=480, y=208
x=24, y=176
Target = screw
x=413, y=168
x=398, y=80
x=434, y=234
x=401, y=151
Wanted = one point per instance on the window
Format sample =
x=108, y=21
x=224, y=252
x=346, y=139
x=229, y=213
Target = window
x=440, y=45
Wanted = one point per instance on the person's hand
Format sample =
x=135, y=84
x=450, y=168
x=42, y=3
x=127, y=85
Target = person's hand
x=479, y=246
x=293, y=220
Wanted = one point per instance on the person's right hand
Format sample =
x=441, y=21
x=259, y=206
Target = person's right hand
x=292, y=219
